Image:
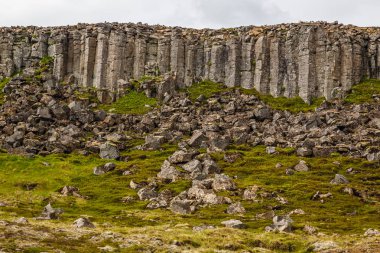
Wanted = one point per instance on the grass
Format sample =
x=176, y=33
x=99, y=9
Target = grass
x=3, y=82
x=256, y=167
x=132, y=103
x=206, y=88
x=363, y=92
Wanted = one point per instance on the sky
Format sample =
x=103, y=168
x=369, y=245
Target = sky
x=188, y=13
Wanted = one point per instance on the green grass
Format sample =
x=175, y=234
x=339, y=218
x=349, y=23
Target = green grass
x=206, y=88
x=293, y=105
x=363, y=92
x=256, y=167
x=132, y=103
x=3, y=82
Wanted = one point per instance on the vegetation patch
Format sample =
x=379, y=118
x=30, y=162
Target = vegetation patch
x=364, y=92
x=132, y=103
x=3, y=82
x=206, y=88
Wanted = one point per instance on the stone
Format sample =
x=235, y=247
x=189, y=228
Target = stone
x=371, y=232
x=251, y=193
x=147, y=193
x=310, y=229
x=83, y=223
x=233, y=224
x=339, y=179
x=100, y=170
x=210, y=167
x=192, y=165
x=281, y=224
x=182, y=206
x=271, y=150
x=22, y=220
x=109, y=151
x=301, y=166
x=223, y=182
x=181, y=156
x=50, y=213
x=304, y=151
x=168, y=172
x=197, y=139
x=68, y=190
x=236, y=208
x=324, y=245
x=202, y=228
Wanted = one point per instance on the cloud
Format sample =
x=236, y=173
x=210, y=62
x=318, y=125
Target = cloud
x=189, y=13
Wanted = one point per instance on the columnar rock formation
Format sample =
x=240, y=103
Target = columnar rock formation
x=304, y=59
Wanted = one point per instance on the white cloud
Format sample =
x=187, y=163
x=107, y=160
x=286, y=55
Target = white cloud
x=190, y=13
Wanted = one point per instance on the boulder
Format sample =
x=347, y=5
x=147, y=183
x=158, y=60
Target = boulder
x=147, y=193
x=197, y=139
x=223, y=182
x=233, y=224
x=181, y=156
x=339, y=179
x=301, y=166
x=109, y=151
x=192, y=165
x=281, y=224
x=50, y=213
x=371, y=232
x=236, y=208
x=83, y=223
x=180, y=206
x=168, y=172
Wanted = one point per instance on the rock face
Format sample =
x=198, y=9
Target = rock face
x=304, y=59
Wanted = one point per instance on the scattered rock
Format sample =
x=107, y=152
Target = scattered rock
x=83, y=223
x=50, y=213
x=223, y=182
x=109, y=151
x=233, y=224
x=339, y=179
x=319, y=246
x=202, y=228
x=236, y=208
x=301, y=166
x=22, y=220
x=100, y=170
x=310, y=229
x=281, y=224
x=372, y=232
x=182, y=206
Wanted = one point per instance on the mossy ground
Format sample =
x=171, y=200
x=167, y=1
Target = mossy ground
x=3, y=82
x=132, y=103
x=343, y=214
x=364, y=92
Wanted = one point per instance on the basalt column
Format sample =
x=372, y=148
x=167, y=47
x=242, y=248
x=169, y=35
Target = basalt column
x=87, y=63
x=277, y=65
x=100, y=69
x=262, y=69
x=247, y=62
x=306, y=63
x=177, y=57
x=233, y=64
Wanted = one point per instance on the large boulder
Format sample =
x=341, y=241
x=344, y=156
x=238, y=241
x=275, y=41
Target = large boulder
x=83, y=223
x=233, y=224
x=168, y=172
x=109, y=150
x=223, y=182
x=281, y=224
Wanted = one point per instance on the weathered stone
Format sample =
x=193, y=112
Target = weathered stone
x=109, y=151
x=233, y=224
x=339, y=179
x=236, y=208
x=83, y=223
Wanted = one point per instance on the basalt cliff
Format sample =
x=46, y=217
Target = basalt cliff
x=304, y=59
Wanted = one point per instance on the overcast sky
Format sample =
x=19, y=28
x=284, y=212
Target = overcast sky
x=188, y=13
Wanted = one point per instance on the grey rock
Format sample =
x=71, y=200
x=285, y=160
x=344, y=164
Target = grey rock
x=236, y=208
x=83, y=223
x=223, y=182
x=339, y=179
x=233, y=224
x=147, y=193
x=301, y=166
x=109, y=151
x=50, y=213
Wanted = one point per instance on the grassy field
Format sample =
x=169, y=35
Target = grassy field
x=342, y=215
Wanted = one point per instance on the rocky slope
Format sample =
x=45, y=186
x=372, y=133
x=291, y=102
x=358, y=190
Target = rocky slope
x=303, y=59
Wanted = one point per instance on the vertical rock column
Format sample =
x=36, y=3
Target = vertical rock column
x=262, y=67
x=116, y=59
x=346, y=63
x=129, y=56
x=321, y=61
x=140, y=56
x=306, y=63
x=378, y=60
x=59, y=51
x=163, y=55
x=177, y=57
x=74, y=55
x=247, y=62
x=233, y=64
x=291, y=62
x=276, y=66
x=332, y=70
x=218, y=61
x=190, y=61
x=87, y=62
x=100, y=68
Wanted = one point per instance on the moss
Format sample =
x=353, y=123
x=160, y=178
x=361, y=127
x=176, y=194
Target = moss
x=206, y=88
x=3, y=82
x=364, y=92
x=132, y=103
